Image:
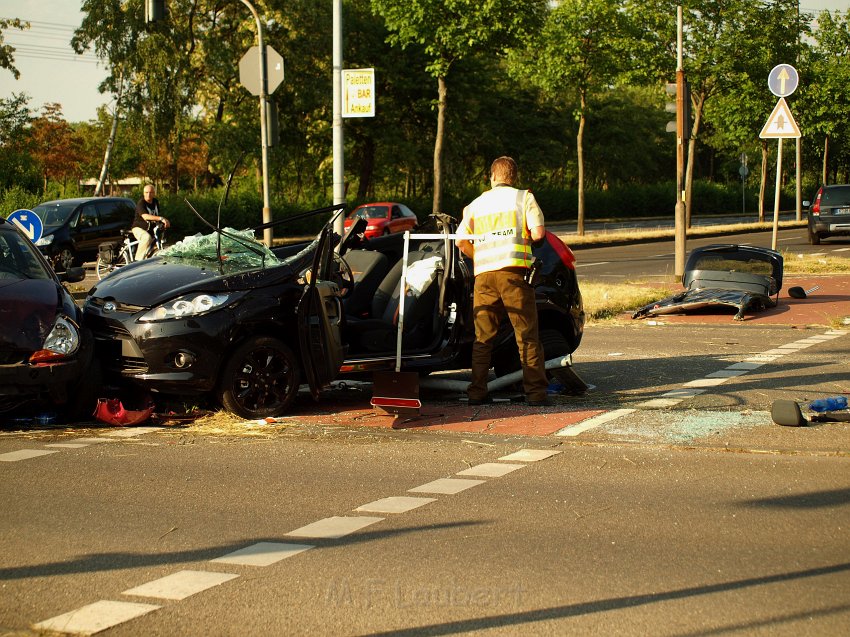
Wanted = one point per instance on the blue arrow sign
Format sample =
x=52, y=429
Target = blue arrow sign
x=29, y=222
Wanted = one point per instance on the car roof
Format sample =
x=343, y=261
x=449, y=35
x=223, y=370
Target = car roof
x=379, y=203
x=79, y=200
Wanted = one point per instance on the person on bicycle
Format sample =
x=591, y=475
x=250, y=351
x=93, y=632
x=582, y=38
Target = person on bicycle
x=147, y=213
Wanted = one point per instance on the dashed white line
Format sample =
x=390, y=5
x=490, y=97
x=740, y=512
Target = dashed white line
x=24, y=454
x=530, y=455
x=262, y=554
x=181, y=584
x=587, y=265
x=446, y=486
x=334, y=527
x=490, y=470
x=395, y=504
x=95, y=617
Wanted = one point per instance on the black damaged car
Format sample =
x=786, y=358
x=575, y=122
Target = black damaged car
x=226, y=316
x=45, y=352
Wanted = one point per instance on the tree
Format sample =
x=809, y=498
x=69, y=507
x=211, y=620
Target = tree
x=16, y=163
x=578, y=52
x=450, y=31
x=7, y=52
x=55, y=146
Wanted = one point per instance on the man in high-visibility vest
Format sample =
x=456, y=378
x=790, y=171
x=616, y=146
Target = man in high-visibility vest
x=506, y=221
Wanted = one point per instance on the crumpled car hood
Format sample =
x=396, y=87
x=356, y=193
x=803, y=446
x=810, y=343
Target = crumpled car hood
x=28, y=310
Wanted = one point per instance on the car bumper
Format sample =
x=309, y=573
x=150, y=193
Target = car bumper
x=23, y=382
x=831, y=224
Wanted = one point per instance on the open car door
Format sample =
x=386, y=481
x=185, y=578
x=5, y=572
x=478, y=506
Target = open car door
x=319, y=320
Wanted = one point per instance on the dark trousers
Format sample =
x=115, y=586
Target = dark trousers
x=497, y=293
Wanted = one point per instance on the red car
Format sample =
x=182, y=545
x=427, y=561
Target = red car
x=385, y=217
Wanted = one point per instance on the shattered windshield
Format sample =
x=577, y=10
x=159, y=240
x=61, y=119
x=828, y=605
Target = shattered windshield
x=239, y=250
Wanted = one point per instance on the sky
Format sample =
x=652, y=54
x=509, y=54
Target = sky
x=52, y=72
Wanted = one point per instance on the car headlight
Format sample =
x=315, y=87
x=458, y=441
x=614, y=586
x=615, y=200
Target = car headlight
x=185, y=306
x=63, y=341
x=46, y=240
x=373, y=227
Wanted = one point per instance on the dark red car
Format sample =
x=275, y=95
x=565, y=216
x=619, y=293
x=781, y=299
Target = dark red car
x=384, y=217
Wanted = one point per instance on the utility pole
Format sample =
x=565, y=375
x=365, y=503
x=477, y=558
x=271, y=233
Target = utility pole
x=681, y=123
x=338, y=146
x=268, y=234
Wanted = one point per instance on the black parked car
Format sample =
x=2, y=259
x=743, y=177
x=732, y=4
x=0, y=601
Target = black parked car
x=45, y=354
x=829, y=213
x=248, y=324
x=73, y=228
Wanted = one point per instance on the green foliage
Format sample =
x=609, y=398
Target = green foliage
x=17, y=198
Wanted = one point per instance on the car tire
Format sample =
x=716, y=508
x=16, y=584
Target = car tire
x=105, y=269
x=65, y=258
x=260, y=379
x=814, y=238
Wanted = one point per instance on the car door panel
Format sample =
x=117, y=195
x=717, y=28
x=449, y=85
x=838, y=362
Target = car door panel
x=319, y=321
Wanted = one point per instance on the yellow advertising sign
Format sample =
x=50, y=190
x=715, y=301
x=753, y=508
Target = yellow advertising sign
x=358, y=93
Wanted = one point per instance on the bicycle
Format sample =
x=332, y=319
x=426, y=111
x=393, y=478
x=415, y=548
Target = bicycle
x=108, y=260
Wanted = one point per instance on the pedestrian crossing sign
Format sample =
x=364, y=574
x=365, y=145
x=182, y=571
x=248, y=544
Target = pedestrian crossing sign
x=781, y=123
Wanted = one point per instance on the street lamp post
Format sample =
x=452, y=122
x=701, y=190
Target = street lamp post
x=268, y=234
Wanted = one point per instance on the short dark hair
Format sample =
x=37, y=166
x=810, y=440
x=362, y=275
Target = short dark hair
x=504, y=170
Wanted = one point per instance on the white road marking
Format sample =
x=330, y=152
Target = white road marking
x=95, y=617
x=841, y=249
x=67, y=445
x=683, y=393
x=587, y=265
x=446, y=486
x=590, y=423
x=132, y=432
x=660, y=403
x=530, y=455
x=395, y=504
x=24, y=454
x=706, y=382
x=745, y=366
x=92, y=441
x=181, y=584
x=334, y=527
x=263, y=553
x=726, y=373
x=490, y=470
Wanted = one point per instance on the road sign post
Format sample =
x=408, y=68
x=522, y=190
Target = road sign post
x=782, y=81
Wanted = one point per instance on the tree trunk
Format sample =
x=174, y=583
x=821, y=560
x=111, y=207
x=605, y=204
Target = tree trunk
x=763, y=183
x=692, y=149
x=107, y=155
x=580, y=158
x=438, y=145
x=825, y=158
x=367, y=168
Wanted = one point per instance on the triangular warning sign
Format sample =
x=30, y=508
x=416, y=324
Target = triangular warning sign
x=780, y=123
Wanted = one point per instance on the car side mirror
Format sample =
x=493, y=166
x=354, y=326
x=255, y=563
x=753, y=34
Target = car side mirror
x=806, y=203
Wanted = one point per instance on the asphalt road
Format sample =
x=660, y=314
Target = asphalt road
x=696, y=518
x=655, y=260
x=674, y=506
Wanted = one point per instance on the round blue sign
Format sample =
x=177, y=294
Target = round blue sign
x=783, y=80
x=29, y=222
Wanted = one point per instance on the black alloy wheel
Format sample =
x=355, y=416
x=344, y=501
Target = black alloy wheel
x=260, y=379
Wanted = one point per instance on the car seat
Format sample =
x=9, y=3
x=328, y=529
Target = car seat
x=369, y=269
x=379, y=332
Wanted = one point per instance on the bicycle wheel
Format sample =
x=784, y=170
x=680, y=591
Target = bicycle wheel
x=105, y=269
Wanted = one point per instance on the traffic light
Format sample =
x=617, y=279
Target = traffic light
x=154, y=11
x=681, y=107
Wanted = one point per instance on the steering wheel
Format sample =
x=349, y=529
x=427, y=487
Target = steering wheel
x=342, y=276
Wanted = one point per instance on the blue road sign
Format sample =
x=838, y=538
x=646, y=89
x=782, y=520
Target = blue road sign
x=783, y=80
x=29, y=222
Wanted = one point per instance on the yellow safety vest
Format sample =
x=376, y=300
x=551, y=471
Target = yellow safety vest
x=498, y=219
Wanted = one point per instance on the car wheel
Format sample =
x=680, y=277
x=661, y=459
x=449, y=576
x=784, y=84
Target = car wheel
x=814, y=238
x=105, y=269
x=64, y=259
x=260, y=379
